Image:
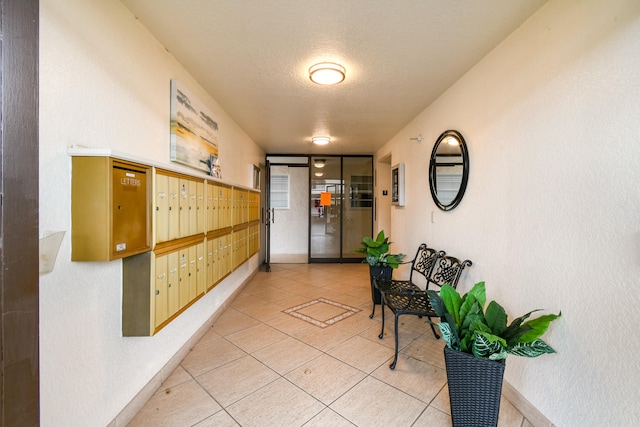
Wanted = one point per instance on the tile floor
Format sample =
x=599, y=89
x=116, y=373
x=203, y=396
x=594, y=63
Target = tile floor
x=260, y=366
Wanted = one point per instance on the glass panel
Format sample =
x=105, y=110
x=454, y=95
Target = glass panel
x=279, y=191
x=326, y=205
x=357, y=215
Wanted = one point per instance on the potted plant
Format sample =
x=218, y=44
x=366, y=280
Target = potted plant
x=381, y=262
x=478, y=341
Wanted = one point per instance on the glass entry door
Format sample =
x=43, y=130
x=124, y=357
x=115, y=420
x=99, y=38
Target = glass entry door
x=288, y=191
x=341, y=206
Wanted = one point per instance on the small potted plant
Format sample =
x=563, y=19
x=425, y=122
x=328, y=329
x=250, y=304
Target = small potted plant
x=478, y=341
x=381, y=262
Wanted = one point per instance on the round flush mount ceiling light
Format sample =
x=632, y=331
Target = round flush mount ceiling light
x=318, y=174
x=321, y=140
x=319, y=163
x=327, y=73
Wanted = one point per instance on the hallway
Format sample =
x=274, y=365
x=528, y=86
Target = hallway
x=320, y=363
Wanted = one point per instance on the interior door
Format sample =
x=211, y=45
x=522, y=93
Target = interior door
x=288, y=191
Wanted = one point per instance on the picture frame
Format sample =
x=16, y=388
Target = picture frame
x=256, y=177
x=397, y=185
x=194, y=132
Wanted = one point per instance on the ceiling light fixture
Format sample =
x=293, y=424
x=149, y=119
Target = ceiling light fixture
x=327, y=73
x=319, y=163
x=318, y=174
x=321, y=140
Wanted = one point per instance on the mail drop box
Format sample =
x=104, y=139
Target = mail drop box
x=111, y=208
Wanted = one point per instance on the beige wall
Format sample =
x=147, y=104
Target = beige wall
x=104, y=83
x=550, y=216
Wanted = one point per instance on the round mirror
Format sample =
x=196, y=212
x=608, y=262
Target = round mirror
x=449, y=170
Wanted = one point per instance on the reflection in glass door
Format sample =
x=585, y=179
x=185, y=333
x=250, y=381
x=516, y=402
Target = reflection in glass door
x=341, y=208
x=326, y=207
x=357, y=212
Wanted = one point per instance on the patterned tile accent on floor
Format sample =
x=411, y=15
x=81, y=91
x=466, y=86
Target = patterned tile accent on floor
x=295, y=312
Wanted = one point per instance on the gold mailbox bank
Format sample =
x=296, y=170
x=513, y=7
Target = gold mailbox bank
x=111, y=208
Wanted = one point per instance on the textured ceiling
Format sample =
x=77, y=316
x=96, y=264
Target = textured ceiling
x=253, y=57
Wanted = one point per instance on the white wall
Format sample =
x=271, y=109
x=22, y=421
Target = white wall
x=104, y=83
x=551, y=214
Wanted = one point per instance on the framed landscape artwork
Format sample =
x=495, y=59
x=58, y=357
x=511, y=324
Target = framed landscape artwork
x=194, y=132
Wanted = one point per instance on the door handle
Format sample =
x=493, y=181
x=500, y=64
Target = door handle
x=273, y=215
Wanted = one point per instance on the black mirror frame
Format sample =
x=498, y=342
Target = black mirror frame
x=465, y=170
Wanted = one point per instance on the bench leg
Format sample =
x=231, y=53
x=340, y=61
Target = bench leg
x=434, y=331
x=382, y=310
x=395, y=356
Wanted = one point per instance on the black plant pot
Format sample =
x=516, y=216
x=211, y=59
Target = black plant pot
x=475, y=386
x=378, y=272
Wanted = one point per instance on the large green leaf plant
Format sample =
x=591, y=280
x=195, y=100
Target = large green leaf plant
x=377, y=252
x=466, y=326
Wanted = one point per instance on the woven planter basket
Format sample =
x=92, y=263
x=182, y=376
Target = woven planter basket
x=475, y=386
x=379, y=273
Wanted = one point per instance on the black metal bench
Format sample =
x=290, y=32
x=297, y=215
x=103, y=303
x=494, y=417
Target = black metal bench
x=406, y=297
x=421, y=265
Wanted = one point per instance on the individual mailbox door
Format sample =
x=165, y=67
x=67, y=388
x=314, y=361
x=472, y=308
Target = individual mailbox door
x=224, y=255
x=201, y=204
x=174, y=208
x=235, y=207
x=244, y=206
x=183, y=200
x=183, y=272
x=227, y=254
x=227, y=211
x=218, y=222
x=222, y=207
x=200, y=269
x=236, y=249
x=193, y=273
x=162, y=208
x=217, y=255
x=130, y=210
x=256, y=207
x=193, y=208
x=161, y=310
x=210, y=264
x=173, y=285
x=210, y=206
